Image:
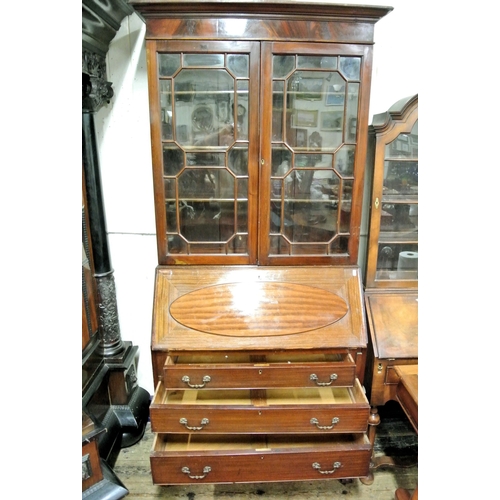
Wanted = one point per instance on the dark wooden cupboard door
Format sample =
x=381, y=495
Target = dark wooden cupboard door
x=204, y=103
x=313, y=135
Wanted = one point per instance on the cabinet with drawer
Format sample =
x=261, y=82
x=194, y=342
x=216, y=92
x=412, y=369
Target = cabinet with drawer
x=294, y=395
x=259, y=120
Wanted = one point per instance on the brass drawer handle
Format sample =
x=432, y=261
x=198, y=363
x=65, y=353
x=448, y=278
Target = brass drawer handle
x=204, y=421
x=206, y=470
x=314, y=378
x=315, y=421
x=336, y=465
x=205, y=379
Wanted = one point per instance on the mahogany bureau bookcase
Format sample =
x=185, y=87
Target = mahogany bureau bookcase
x=259, y=120
x=391, y=278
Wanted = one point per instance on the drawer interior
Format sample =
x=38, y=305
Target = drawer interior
x=208, y=359
x=261, y=397
x=182, y=443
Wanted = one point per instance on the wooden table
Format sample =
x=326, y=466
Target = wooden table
x=393, y=325
x=407, y=396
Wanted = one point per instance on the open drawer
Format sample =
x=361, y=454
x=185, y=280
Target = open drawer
x=192, y=458
x=308, y=410
x=252, y=371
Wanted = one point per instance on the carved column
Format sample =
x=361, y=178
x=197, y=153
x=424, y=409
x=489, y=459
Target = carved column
x=96, y=92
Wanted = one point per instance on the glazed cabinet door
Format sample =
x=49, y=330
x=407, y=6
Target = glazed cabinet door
x=203, y=100
x=258, y=152
x=393, y=240
x=314, y=106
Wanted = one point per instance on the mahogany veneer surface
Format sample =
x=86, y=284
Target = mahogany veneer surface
x=407, y=392
x=214, y=308
x=393, y=320
x=240, y=459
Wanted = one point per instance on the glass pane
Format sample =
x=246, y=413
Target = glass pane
x=344, y=161
x=242, y=110
x=350, y=67
x=238, y=160
x=238, y=244
x=404, y=146
x=282, y=65
x=309, y=61
x=339, y=245
x=278, y=245
x=278, y=103
x=352, y=111
x=242, y=217
x=397, y=261
x=206, y=169
x=166, y=109
x=400, y=180
x=202, y=107
x=314, y=120
x=171, y=210
x=399, y=220
x=211, y=159
x=169, y=185
x=242, y=188
x=238, y=65
x=168, y=64
x=204, y=60
x=173, y=159
x=176, y=244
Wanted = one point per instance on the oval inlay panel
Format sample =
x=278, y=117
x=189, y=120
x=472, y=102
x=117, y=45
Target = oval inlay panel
x=257, y=309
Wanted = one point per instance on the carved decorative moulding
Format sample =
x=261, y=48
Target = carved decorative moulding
x=101, y=19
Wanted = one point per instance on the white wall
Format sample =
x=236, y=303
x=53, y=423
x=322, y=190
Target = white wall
x=122, y=129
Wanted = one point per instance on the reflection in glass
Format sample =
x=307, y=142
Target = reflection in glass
x=166, y=109
x=400, y=180
x=278, y=104
x=351, y=112
x=173, y=159
x=397, y=261
x=344, y=160
x=238, y=160
x=350, y=67
x=404, y=146
x=238, y=64
x=314, y=128
x=204, y=60
x=168, y=64
x=398, y=238
x=205, y=152
x=282, y=65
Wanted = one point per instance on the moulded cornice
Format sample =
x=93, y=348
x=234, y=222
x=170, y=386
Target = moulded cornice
x=154, y=8
x=383, y=121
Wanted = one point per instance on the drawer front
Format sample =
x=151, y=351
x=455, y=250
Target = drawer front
x=259, y=372
x=317, y=410
x=273, y=461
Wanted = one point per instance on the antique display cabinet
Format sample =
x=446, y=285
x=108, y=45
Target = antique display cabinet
x=259, y=120
x=391, y=283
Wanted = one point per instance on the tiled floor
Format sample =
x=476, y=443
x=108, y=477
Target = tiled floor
x=395, y=437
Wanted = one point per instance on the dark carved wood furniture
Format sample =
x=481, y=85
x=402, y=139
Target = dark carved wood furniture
x=114, y=407
x=259, y=117
x=391, y=281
